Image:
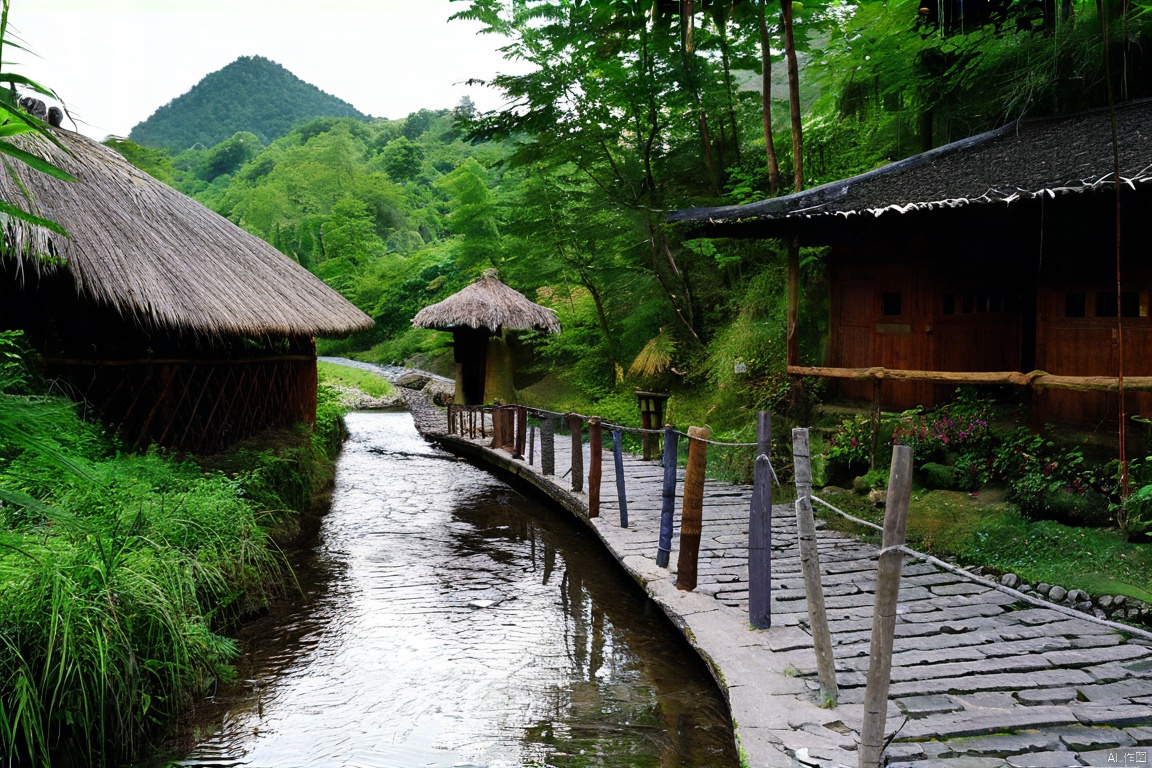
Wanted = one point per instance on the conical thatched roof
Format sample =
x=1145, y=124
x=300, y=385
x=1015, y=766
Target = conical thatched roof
x=160, y=257
x=487, y=303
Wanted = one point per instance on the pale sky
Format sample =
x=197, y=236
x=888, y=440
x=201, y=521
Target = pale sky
x=114, y=62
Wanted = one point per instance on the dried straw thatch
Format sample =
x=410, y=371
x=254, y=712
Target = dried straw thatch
x=487, y=303
x=158, y=256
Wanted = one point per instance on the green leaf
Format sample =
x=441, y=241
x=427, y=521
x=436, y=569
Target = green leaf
x=36, y=162
x=30, y=218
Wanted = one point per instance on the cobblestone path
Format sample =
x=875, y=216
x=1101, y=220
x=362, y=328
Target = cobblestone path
x=980, y=677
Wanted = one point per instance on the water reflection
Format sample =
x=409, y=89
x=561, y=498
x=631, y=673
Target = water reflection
x=451, y=621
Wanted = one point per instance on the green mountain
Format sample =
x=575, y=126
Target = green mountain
x=250, y=94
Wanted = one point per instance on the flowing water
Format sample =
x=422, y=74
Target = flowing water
x=449, y=620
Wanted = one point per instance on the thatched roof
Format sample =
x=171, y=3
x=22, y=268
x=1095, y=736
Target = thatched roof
x=487, y=303
x=160, y=257
x=1050, y=157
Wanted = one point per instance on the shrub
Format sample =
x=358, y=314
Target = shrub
x=940, y=476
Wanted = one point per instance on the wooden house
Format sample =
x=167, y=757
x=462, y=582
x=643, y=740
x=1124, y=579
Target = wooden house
x=175, y=325
x=989, y=260
x=478, y=317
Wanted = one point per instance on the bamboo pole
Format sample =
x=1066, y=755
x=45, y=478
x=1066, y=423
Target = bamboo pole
x=810, y=564
x=595, y=465
x=1038, y=380
x=621, y=494
x=692, y=511
x=667, y=496
x=521, y=432
x=548, y=446
x=760, y=530
x=575, y=427
x=884, y=616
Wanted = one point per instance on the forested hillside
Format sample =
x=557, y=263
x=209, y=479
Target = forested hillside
x=629, y=111
x=251, y=94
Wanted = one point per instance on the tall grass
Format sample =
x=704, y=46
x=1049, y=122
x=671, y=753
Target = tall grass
x=119, y=573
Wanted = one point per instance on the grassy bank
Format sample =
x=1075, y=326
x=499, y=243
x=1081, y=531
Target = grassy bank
x=121, y=572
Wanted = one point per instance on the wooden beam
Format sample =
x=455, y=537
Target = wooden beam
x=1035, y=379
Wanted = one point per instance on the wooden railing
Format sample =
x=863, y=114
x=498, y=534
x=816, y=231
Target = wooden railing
x=513, y=429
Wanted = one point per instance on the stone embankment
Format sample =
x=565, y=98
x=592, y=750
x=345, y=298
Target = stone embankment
x=982, y=676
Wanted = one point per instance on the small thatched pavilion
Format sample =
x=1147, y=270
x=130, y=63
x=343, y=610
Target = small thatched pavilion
x=174, y=324
x=478, y=316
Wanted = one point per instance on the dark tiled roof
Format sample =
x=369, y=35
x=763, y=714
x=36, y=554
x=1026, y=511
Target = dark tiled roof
x=1052, y=156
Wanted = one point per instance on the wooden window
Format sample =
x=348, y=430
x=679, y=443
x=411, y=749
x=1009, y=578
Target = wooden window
x=1129, y=304
x=980, y=302
x=1075, y=304
x=891, y=304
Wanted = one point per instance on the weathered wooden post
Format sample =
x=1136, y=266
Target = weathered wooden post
x=450, y=415
x=595, y=462
x=810, y=564
x=621, y=493
x=760, y=530
x=668, y=496
x=521, y=432
x=497, y=427
x=576, y=427
x=548, y=445
x=692, y=512
x=884, y=615
x=532, y=443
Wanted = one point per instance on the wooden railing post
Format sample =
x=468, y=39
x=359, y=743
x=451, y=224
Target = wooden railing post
x=760, y=530
x=810, y=564
x=548, y=445
x=621, y=492
x=668, y=496
x=884, y=615
x=595, y=465
x=521, y=432
x=532, y=444
x=576, y=427
x=497, y=427
x=692, y=512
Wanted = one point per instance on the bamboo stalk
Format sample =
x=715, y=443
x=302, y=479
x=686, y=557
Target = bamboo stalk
x=595, y=461
x=668, y=497
x=575, y=427
x=692, y=511
x=521, y=431
x=621, y=494
x=884, y=616
x=810, y=564
x=548, y=446
x=760, y=530
x=1036, y=379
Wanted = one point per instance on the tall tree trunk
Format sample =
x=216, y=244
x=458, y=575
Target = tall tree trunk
x=793, y=93
x=689, y=23
x=601, y=314
x=710, y=164
x=657, y=243
x=766, y=96
x=726, y=61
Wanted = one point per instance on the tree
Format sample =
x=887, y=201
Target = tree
x=402, y=158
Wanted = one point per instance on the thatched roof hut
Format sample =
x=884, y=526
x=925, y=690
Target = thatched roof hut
x=477, y=316
x=158, y=256
x=487, y=303
x=178, y=326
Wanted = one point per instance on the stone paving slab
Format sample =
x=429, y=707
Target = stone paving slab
x=980, y=678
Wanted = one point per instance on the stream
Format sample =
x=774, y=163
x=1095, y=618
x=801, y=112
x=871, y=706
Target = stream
x=449, y=620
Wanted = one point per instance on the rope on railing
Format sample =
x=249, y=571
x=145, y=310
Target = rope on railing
x=1036, y=601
